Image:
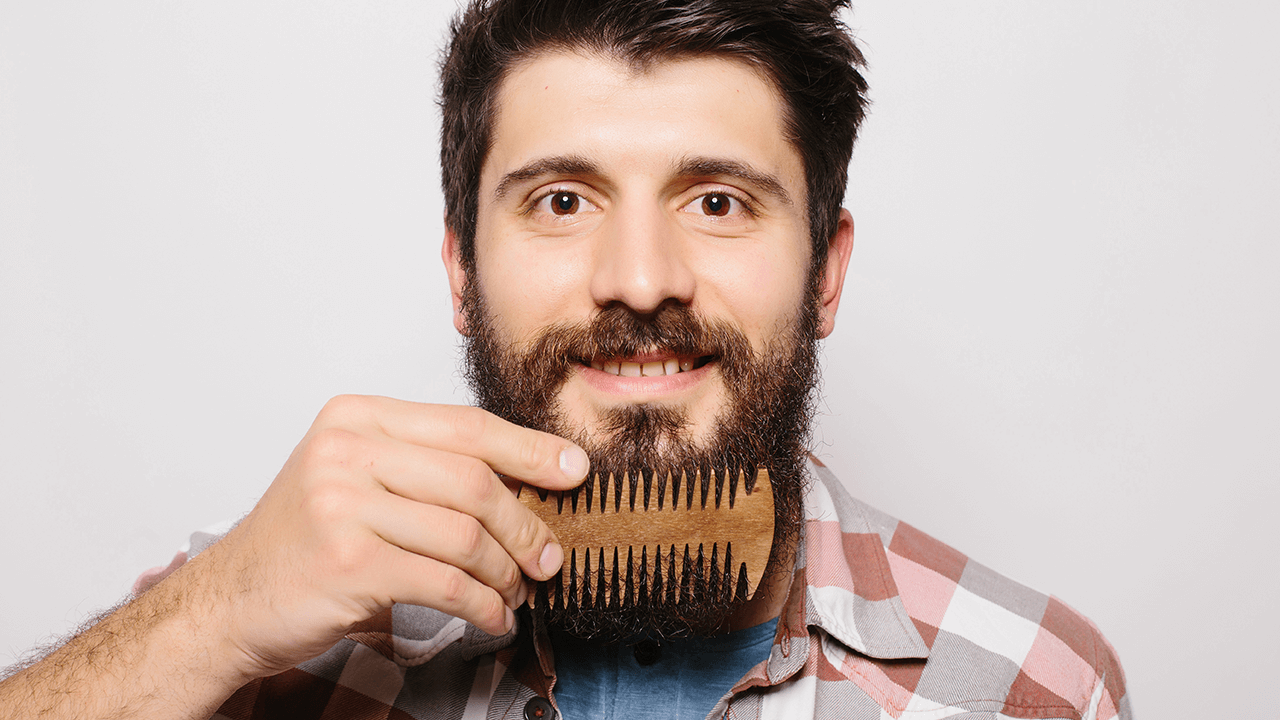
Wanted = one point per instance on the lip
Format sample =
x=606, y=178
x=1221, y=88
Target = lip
x=642, y=389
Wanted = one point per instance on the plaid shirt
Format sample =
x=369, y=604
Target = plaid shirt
x=881, y=621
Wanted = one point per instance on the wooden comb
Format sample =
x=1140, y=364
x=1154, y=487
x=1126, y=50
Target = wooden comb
x=666, y=538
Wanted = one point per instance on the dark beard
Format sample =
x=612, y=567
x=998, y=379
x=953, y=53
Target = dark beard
x=766, y=424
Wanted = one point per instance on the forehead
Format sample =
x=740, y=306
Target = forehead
x=627, y=120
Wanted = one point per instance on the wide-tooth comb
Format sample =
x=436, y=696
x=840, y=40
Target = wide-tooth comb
x=661, y=539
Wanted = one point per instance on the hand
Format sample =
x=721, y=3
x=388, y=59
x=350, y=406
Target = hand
x=384, y=501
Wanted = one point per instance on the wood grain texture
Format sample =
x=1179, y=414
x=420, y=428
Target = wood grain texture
x=656, y=533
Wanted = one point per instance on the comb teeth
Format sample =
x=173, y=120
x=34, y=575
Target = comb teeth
x=643, y=490
x=646, y=538
x=595, y=579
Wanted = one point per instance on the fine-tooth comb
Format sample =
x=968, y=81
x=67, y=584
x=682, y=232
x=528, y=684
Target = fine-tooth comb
x=661, y=538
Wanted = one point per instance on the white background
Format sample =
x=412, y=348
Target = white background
x=1056, y=351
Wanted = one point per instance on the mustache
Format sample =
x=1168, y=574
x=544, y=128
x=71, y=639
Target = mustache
x=618, y=331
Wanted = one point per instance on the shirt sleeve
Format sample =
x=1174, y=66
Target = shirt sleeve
x=198, y=542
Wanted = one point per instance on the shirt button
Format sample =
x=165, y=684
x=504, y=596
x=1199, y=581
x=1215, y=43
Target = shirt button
x=647, y=651
x=539, y=709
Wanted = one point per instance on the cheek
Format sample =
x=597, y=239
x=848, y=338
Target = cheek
x=530, y=286
x=759, y=291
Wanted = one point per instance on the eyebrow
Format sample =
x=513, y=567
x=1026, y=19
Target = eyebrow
x=709, y=167
x=559, y=165
x=689, y=167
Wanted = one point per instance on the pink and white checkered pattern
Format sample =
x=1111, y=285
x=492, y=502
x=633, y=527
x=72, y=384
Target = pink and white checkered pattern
x=986, y=644
x=882, y=621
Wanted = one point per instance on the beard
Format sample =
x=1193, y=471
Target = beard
x=765, y=424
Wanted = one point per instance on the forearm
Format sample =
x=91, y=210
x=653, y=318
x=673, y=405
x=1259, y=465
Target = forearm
x=152, y=658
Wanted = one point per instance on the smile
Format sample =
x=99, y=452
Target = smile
x=648, y=367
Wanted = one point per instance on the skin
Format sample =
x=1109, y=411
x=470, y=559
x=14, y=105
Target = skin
x=387, y=501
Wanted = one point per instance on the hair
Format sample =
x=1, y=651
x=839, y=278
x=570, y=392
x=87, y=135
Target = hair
x=800, y=45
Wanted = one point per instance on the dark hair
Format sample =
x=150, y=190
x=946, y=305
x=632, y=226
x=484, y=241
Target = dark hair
x=800, y=44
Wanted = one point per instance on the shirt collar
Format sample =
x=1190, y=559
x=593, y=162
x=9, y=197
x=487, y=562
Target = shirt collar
x=849, y=589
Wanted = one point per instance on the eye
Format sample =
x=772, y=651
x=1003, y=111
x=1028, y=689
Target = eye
x=717, y=205
x=562, y=203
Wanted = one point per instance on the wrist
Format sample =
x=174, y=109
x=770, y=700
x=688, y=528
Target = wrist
x=196, y=634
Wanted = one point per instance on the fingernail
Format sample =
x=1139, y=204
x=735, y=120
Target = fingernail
x=510, y=620
x=551, y=560
x=521, y=595
x=574, y=463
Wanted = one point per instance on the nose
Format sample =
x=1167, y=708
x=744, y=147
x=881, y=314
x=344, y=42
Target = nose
x=641, y=263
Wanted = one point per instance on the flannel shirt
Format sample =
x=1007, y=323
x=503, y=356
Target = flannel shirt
x=881, y=621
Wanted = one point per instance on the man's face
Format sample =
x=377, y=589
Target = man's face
x=606, y=187
x=642, y=270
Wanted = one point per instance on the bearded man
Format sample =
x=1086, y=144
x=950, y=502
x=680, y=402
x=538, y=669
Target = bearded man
x=644, y=244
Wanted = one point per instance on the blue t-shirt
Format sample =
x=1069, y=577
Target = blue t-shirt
x=682, y=678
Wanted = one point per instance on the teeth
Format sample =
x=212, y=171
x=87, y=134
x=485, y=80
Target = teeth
x=670, y=366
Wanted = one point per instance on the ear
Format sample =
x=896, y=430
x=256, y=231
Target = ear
x=833, y=271
x=457, y=277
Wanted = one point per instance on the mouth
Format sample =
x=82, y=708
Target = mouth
x=652, y=365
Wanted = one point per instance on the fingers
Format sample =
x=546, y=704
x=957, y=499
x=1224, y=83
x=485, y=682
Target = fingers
x=530, y=455
x=457, y=538
x=452, y=538
x=419, y=580
x=467, y=486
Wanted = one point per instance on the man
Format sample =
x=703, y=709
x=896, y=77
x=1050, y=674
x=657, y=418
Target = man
x=644, y=243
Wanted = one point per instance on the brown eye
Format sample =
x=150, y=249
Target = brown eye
x=563, y=206
x=564, y=203
x=716, y=204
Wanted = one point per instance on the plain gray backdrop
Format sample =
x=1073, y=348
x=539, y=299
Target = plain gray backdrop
x=1057, y=348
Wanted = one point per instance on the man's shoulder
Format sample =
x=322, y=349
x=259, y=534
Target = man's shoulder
x=984, y=632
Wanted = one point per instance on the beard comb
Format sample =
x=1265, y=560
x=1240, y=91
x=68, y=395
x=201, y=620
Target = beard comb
x=667, y=538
